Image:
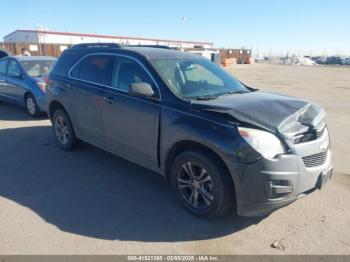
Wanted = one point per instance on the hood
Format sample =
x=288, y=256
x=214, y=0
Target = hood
x=277, y=113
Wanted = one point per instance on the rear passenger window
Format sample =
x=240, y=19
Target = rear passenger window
x=93, y=69
x=127, y=71
x=3, y=65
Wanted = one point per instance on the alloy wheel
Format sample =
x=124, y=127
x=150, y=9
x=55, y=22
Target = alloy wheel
x=61, y=130
x=31, y=107
x=195, y=186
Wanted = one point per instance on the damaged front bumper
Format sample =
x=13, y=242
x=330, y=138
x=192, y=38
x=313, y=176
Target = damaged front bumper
x=268, y=184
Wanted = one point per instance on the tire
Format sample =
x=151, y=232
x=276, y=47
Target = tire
x=31, y=105
x=206, y=191
x=63, y=130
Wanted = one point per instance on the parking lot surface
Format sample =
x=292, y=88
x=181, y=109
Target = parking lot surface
x=91, y=202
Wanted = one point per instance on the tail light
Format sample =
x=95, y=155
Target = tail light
x=46, y=80
x=42, y=86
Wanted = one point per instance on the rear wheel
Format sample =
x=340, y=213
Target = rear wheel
x=202, y=184
x=31, y=105
x=63, y=130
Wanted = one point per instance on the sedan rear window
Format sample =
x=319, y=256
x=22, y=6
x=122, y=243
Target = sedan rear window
x=36, y=68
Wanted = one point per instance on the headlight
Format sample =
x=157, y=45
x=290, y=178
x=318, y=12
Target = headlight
x=265, y=143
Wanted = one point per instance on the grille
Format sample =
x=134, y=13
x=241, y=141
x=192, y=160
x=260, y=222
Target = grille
x=308, y=136
x=315, y=160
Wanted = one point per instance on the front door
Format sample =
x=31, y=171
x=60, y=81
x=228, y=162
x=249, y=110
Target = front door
x=3, y=77
x=130, y=124
x=15, y=82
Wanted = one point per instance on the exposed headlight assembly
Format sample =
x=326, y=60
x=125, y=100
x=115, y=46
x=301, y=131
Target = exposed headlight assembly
x=263, y=142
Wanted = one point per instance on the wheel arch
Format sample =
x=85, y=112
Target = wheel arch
x=26, y=94
x=188, y=145
x=54, y=105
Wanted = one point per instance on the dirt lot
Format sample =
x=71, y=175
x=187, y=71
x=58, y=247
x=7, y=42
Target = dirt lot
x=90, y=202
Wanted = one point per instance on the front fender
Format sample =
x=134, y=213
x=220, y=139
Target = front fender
x=221, y=138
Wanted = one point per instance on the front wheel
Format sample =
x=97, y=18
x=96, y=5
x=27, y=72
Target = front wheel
x=63, y=130
x=202, y=184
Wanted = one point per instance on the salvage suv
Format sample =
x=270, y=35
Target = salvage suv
x=221, y=144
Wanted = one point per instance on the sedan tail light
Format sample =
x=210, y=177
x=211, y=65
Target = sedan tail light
x=42, y=86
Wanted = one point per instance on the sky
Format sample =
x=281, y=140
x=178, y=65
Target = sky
x=309, y=27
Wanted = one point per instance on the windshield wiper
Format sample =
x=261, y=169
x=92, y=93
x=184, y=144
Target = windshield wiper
x=209, y=97
x=235, y=92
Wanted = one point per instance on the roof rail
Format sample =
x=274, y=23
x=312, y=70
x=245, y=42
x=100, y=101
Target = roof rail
x=153, y=46
x=97, y=45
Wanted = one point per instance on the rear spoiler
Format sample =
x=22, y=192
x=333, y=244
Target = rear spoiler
x=114, y=45
x=97, y=45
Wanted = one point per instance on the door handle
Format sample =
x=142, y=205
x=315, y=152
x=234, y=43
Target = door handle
x=3, y=83
x=109, y=100
x=70, y=86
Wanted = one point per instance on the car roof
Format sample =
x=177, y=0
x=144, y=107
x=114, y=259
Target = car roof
x=33, y=58
x=152, y=53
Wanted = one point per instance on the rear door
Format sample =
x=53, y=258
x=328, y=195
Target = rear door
x=130, y=124
x=3, y=76
x=89, y=78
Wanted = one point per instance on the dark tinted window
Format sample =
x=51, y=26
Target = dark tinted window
x=126, y=71
x=93, y=68
x=3, y=65
x=65, y=63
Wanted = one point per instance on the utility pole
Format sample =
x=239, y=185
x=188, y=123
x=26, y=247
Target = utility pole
x=183, y=22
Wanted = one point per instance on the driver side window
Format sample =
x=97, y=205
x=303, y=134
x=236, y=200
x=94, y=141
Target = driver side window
x=126, y=72
x=14, y=69
x=3, y=66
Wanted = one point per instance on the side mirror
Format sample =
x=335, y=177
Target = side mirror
x=17, y=75
x=141, y=89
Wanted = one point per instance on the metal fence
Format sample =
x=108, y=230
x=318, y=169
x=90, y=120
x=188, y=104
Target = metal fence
x=54, y=50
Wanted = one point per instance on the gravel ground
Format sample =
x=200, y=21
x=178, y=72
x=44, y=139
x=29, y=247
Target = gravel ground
x=91, y=202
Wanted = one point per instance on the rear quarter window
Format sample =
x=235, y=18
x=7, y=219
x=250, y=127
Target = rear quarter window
x=93, y=68
x=65, y=63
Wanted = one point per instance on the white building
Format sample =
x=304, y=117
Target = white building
x=64, y=38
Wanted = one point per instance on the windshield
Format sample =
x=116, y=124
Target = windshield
x=196, y=78
x=38, y=68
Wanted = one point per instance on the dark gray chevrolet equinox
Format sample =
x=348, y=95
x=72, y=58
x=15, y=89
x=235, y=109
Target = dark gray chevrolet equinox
x=222, y=145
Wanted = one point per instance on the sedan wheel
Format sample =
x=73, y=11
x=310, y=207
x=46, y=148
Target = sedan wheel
x=31, y=105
